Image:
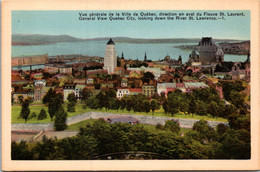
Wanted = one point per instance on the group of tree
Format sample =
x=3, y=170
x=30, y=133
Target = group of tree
x=101, y=138
x=200, y=101
x=137, y=103
x=54, y=102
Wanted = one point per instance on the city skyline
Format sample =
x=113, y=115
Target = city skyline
x=68, y=23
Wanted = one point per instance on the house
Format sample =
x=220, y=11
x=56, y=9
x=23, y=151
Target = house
x=165, y=88
x=148, y=90
x=90, y=81
x=65, y=69
x=122, y=92
x=189, y=86
x=78, y=89
x=135, y=91
x=40, y=92
x=59, y=90
x=37, y=76
x=67, y=89
x=156, y=71
x=79, y=81
x=124, y=82
x=135, y=74
x=41, y=82
x=181, y=87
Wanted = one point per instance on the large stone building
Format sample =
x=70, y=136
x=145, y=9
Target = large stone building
x=110, y=60
x=209, y=52
x=29, y=60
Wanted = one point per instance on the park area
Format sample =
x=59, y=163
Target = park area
x=79, y=110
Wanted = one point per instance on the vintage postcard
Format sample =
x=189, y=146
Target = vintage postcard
x=137, y=85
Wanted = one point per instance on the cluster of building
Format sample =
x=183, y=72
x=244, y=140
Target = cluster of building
x=125, y=79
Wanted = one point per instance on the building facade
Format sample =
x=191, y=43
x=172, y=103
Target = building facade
x=208, y=52
x=148, y=90
x=122, y=92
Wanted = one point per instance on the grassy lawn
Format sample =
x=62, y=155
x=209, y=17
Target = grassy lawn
x=78, y=125
x=160, y=112
x=37, y=108
x=151, y=128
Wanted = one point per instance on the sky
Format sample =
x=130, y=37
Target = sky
x=68, y=23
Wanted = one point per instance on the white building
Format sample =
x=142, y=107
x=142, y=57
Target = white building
x=78, y=89
x=67, y=89
x=40, y=82
x=154, y=70
x=122, y=92
x=110, y=61
x=165, y=87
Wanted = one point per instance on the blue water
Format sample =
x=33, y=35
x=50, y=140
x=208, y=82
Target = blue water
x=97, y=48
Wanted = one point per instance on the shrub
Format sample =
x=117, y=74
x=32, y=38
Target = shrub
x=42, y=115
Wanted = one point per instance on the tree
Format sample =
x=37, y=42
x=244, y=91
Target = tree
x=72, y=97
x=86, y=94
x=213, y=108
x=42, y=115
x=155, y=105
x=206, y=133
x=172, y=105
x=201, y=108
x=48, y=96
x=147, y=77
x=53, y=106
x=25, y=112
x=173, y=126
x=20, y=151
x=72, y=102
x=32, y=115
x=30, y=99
x=60, y=119
x=20, y=98
x=147, y=106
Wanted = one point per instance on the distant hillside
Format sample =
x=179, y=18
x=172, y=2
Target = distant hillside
x=38, y=39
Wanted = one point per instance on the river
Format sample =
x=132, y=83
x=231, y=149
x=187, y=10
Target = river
x=154, y=51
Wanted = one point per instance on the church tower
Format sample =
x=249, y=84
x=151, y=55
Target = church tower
x=110, y=57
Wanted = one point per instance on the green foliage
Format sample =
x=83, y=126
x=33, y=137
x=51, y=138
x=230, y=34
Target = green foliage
x=32, y=115
x=53, y=106
x=147, y=106
x=42, y=115
x=206, y=134
x=20, y=151
x=101, y=138
x=48, y=96
x=72, y=98
x=60, y=119
x=71, y=107
x=239, y=122
x=25, y=112
x=155, y=105
x=147, y=77
x=173, y=126
x=86, y=94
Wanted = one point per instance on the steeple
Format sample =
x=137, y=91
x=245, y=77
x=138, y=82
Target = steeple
x=145, y=57
x=122, y=57
x=110, y=42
